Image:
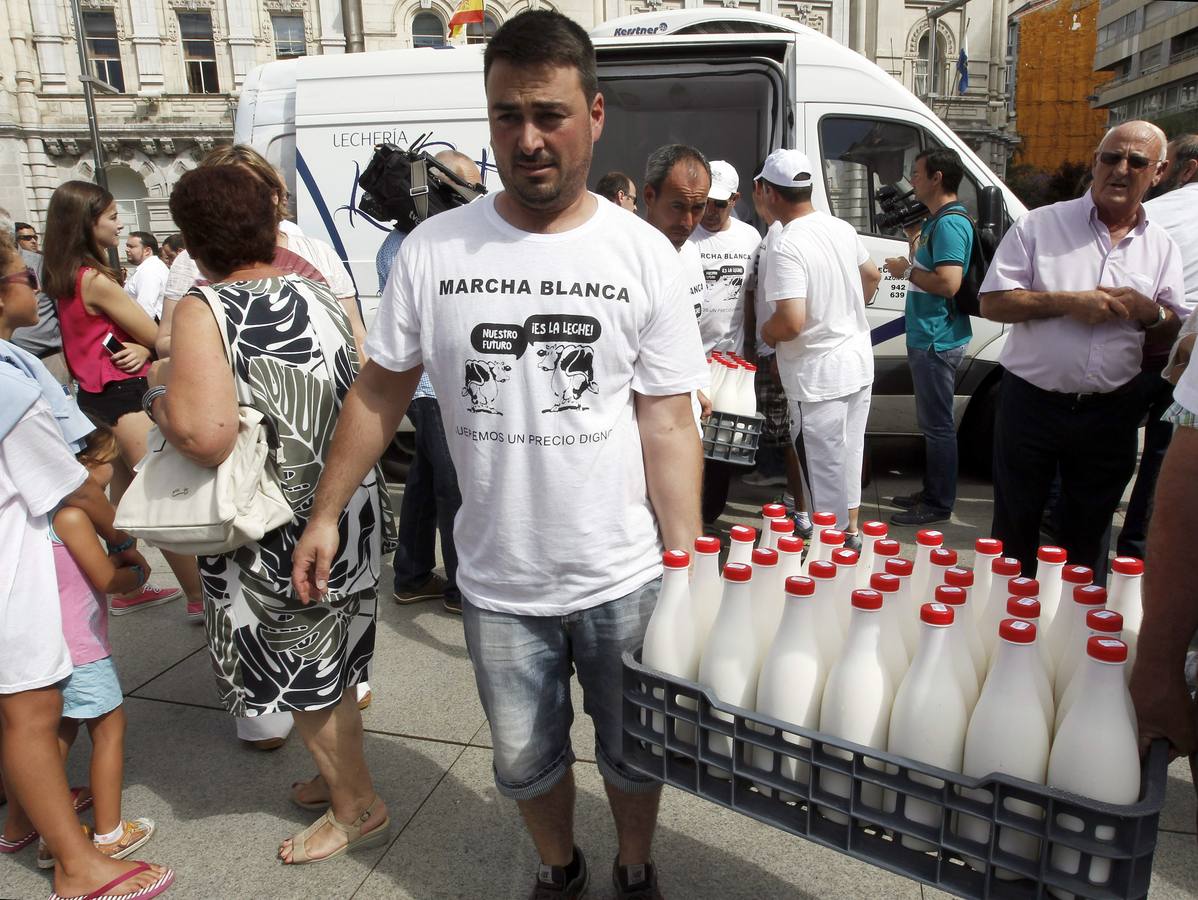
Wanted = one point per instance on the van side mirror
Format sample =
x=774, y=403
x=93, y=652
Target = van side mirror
x=992, y=211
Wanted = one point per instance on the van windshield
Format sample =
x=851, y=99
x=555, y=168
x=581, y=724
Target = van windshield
x=729, y=114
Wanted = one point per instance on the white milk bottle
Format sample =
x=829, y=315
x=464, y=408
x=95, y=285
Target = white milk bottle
x=908, y=611
x=940, y=560
x=1007, y=733
x=740, y=548
x=790, y=556
x=894, y=651
x=883, y=550
x=926, y=541
x=1095, y=753
x=985, y=552
x=671, y=644
x=929, y=718
x=1050, y=563
x=1069, y=628
x=821, y=521
x=706, y=586
x=958, y=645
x=779, y=528
x=871, y=533
x=717, y=372
x=1126, y=575
x=1104, y=623
x=769, y=512
x=857, y=699
x=1003, y=570
x=829, y=539
x=1028, y=609
x=823, y=573
x=963, y=579
x=768, y=598
x=845, y=561
x=791, y=686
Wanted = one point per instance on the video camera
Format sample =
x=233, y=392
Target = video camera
x=408, y=186
x=900, y=209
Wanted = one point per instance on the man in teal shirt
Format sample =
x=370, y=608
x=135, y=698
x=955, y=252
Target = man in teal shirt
x=937, y=332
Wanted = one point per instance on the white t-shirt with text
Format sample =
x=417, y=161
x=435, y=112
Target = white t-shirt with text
x=817, y=257
x=535, y=345
x=696, y=282
x=755, y=279
x=726, y=257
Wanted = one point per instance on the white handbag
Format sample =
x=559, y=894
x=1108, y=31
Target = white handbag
x=177, y=505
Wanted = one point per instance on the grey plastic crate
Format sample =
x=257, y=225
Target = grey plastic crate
x=732, y=439
x=874, y=836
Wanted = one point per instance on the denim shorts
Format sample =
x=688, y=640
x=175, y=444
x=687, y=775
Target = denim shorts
x=522, y=665
x=91, y=690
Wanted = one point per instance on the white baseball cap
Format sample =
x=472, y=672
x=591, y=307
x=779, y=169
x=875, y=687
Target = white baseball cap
x=724, y=180
x=787, y=168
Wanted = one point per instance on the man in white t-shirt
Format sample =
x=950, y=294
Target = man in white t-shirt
x=147, y=283
x=555, y=330
x=819, y=275
x=677, y=179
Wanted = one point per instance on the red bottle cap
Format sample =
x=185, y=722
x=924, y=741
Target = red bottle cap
x=988, y=546
x=900, y=567
x=1024, y=587
x=929, y=537
x=764, y=556
x=942, y=556
x=1077, y=575
x=1105, y=620
x=737, y=572
x=936, y=614
x=886, y=548
x=1128, y=565
x=871, y=600
x=782, y=526
x=844, y=556
x=1051, y=554
x=800, y=586
x=958, y=577
x=707, y=545
x=676, y=559
x=1090, y=595
x=953, y=596
x=821, y=568
x=773, y=511
x=744, y=534
x=880, y=581
x=1007, y=566
x=874, y=529
x=1023, y=607
x=1017, y=631
x=1106, y=649
x=790, y=544
x=824, y=519
x=748, y=367
x=832, y=536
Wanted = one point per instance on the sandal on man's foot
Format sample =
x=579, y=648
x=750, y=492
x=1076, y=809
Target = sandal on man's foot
x=297, y=787
x=355, y=839
x=147, y=893
x=133, y=835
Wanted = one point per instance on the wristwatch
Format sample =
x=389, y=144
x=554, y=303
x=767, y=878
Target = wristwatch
x=1161, y=315
x=906, y=276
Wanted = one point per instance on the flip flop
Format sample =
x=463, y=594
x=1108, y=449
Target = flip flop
x=85, y=804
x=146, y=893
x=306, y=804
x=356, y=840
x=7, y=846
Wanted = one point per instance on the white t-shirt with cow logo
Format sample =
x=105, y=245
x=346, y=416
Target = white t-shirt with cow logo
x=535, y=345
x=726, y=256
x=696, y=283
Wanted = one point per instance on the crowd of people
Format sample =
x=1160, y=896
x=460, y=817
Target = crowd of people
x=565, y=461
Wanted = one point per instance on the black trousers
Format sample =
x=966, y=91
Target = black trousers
x=717, y=478
x=1156, y=395
x=1090, y=440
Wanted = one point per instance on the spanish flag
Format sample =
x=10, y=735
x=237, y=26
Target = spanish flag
x=468, y=11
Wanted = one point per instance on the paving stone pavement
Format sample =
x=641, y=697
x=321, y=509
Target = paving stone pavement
x=221, y=809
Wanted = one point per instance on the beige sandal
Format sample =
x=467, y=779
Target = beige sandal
x=355, y=839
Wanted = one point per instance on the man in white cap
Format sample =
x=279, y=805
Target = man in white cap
x=818, y=278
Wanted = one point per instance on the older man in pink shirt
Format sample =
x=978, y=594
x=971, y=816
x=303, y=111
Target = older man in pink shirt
x=1084, y=282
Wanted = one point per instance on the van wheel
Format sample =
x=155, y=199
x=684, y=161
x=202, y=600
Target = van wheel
x=975, y=439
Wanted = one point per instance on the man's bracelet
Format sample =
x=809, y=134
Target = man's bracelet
x=1161, y=315
x=148, y=398
x=141, y=574
x=906, y=276
x=126, y=544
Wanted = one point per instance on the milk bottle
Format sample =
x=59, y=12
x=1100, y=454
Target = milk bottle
x=929, y=718
x=883, y=550
x=790, y=556
x=741, y=548
x=823, y=573
x=730, y=662
x=1105, y=623
x=1095, y=753
x=829, y=539
x=791, y=685
x=671, y=644
x=857, y=699
x=769, y=512
x=908, y=610
x=985, y=552
x=706, y=586
x=1028, y=609
x=958, y=645
x=821, y=521
x=845, y=561
x=926, y=541
x=768, y=598
x=871, y=533
x=1126, y=575
x=963, y=578
x=940, y=560
x=1007, y=733
x=779, y=528
x=1069, y=628
x=1003, y=570
x=894, y=651
x=1051, y=562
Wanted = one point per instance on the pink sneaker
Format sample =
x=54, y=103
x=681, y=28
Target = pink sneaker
x=195, y=611
x=149, y=596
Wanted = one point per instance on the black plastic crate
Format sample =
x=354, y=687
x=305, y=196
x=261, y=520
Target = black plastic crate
x=732, y=439
x=875, y=837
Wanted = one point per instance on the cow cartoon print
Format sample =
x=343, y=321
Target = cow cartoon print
x=483, y=377
x=571, y=369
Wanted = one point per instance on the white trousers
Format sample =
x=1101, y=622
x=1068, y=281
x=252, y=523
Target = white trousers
x=829, y=437
x=276, y=725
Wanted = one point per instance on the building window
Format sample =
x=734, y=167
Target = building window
x=99, y=29
x=199, y=53
x=922, y=86
x=1184, y=45
x=427, y=30
x=1117, y=30
x=1159, y=10
x=481, y=32
x=289, y=37
x=1151, y=58
x=1189, y=93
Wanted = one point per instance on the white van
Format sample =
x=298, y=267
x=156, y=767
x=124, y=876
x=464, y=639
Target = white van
x=735, y=84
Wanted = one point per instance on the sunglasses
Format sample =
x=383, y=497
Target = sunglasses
x=26, y=237
x=719, y=204
x=28, y=277
x=1134, y=160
